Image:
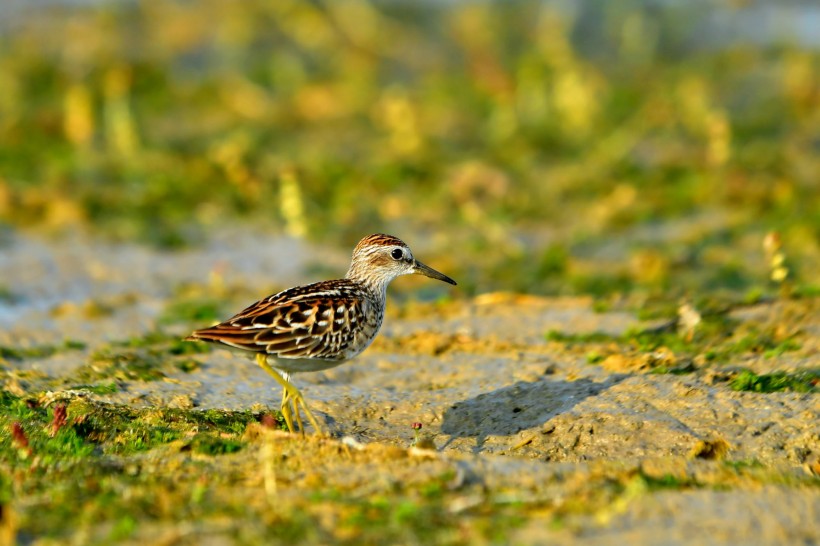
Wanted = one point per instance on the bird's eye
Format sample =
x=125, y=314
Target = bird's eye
x=397, y=254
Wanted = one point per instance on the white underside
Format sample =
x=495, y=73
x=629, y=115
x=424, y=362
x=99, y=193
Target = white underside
x=298, y=365
x=292, y=365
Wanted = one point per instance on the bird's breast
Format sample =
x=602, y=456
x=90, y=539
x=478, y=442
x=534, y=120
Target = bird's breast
x=368, y=325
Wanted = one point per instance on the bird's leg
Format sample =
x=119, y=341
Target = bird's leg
x=285, y=396
x=286, y=399
x=299, y=417
x=262, y=360
x=289, y=408
x=287, y=403
x=298, y=400
x=291, y=396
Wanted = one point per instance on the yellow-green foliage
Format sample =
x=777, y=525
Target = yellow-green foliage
x=159, y=120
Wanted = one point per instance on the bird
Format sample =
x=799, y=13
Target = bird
x=318, y=326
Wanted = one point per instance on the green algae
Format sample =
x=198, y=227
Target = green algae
x=39, y=351
x=717, y=339
x=201, y=310
x=120, y=430
x=798, y=381
x=99, y=388
x=181, y=465
x=149, y=357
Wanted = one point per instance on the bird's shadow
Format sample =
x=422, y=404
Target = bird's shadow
x=521, y=406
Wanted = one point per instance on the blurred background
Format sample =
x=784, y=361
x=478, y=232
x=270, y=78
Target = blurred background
x=632, y=150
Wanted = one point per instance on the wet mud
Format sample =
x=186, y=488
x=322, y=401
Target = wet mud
x=503, y=406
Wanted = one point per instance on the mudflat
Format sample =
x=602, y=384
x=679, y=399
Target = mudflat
x=542, y=419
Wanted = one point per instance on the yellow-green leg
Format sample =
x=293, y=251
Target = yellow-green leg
x=291, y=397
x=292, y=404
x=285, y=408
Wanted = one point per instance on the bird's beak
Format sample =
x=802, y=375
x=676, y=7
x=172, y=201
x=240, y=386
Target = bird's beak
x=421, y=269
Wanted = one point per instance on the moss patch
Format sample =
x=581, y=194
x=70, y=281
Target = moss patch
x=799, y=381
x=39, y=351
x=716, y=339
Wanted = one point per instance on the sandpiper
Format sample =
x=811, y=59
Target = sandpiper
x=321, y=325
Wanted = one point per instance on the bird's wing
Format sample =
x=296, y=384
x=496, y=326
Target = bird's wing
x=292, y=326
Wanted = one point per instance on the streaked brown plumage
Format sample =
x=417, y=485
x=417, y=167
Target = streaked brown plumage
x=319, y=326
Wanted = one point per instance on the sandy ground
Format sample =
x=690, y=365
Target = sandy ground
x=489, y=389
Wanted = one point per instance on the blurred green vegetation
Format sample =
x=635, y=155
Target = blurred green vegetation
x=801, y=381
x=535, y=157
